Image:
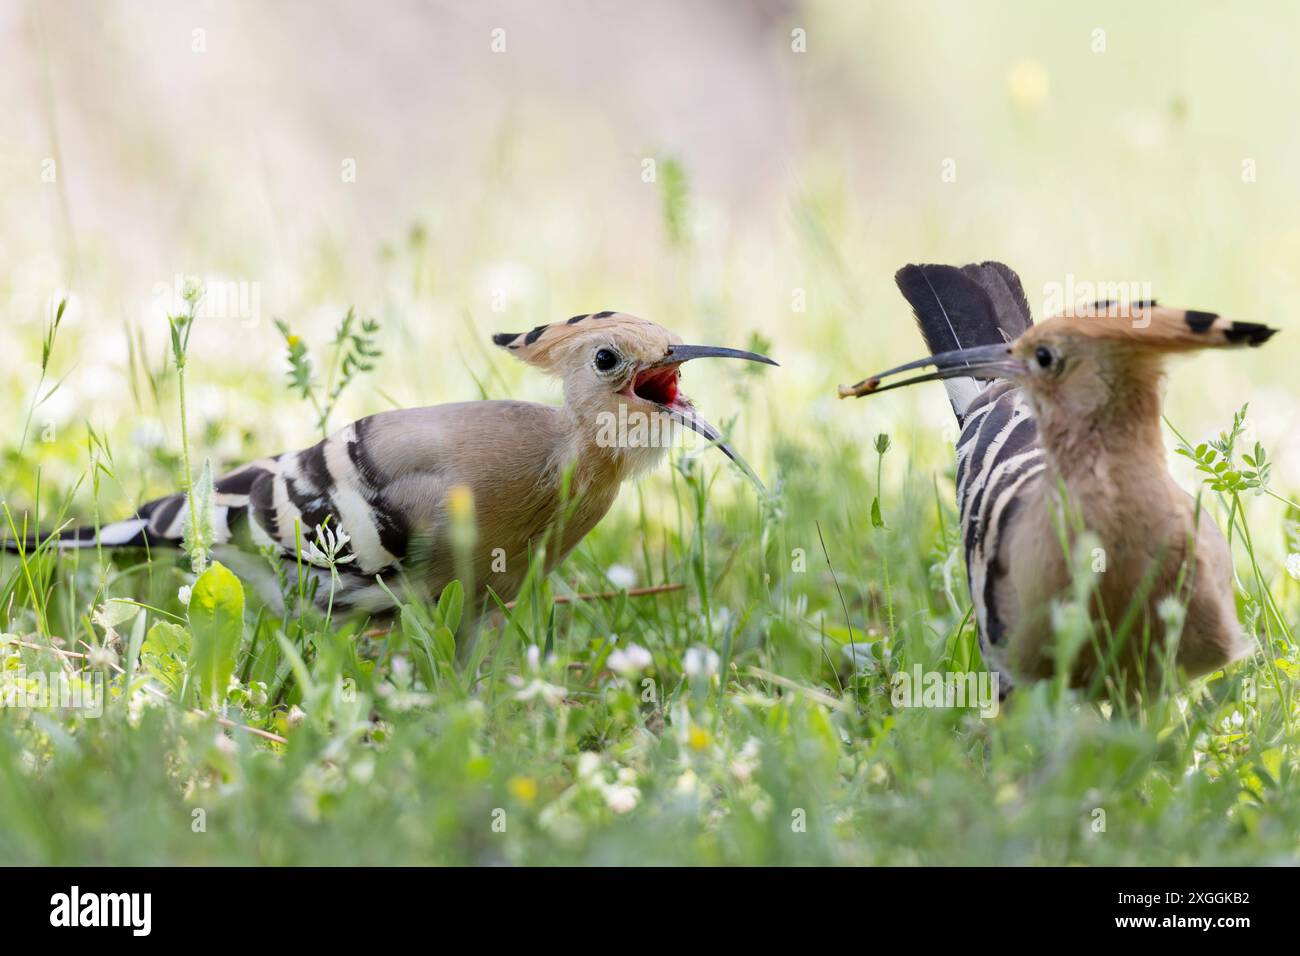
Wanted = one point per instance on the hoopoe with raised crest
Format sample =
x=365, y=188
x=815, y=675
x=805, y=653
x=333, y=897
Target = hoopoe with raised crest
x=1060, y=434
x=384, y=481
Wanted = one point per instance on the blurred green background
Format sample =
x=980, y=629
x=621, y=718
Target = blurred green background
x=498, y=190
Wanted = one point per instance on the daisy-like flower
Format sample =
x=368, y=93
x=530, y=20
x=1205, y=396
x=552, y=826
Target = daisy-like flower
x=629, y=660
x=1170, y=611
x=687, y=783
x=746, y=761
x=538, y=689
x=101, y=658
x=621, y=798
x=588, y=765
x=621, y=576
x=700, y=662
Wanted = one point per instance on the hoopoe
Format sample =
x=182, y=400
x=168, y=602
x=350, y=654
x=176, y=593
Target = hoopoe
x=1060, y=433
x=384, y=481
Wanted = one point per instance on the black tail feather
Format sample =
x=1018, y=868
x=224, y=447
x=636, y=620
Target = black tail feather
x=131, y=533
x=1003, y=287
x=960, y=308
x=956, y=308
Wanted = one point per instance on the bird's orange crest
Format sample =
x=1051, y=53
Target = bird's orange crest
x=1152, y=326
x=548, y=346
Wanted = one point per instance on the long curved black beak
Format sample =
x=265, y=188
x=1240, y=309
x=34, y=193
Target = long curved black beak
x=683, y=353
x=688, y=416
x=981, y=361
x=685, y=413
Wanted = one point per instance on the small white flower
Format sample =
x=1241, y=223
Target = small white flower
x=149, y=434
x=621, y=799
x=1293, y=565
x=534, y=657
x=629, y=660
x=101, y=658
x=621, y=576
x=183, y=595
x=538, y=689
x=700, y=662
x=363, y=771
x=257, y=695
x=1170, y=611
x=588, y=765
x=746, y=762
x=296, y=716
x=326, y=550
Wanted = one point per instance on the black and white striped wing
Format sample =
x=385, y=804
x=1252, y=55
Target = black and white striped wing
x=292, y=503
x=999, y=460
x=331, y=485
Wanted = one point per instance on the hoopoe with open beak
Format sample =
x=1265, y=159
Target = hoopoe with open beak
x=385, y=481
x=1060, y=434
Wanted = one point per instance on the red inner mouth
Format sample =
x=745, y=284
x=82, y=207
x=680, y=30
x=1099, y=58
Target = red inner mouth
x=657, y=385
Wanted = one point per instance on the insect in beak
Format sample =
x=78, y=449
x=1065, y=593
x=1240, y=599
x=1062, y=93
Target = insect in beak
x=983, y=361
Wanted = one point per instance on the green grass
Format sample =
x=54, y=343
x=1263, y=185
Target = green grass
x=749, y=738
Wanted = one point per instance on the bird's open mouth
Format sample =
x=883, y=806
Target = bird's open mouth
x=658, y=382
x=658, y=385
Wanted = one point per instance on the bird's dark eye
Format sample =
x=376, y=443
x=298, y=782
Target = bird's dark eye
x=1043, y=356
x=606, y=359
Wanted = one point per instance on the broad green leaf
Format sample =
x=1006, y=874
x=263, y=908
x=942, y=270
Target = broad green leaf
x=197, y=533
x=444, y=642
x=115, y=612
x=217, y=622
x=164, y=653
x=133, y=644
x=424, y=654
x=450, y=605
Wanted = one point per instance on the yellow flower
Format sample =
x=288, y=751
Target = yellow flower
x=523, y=789
x=292, y=340
x=699, y=738
x=1027, y=84
x=460, y=502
